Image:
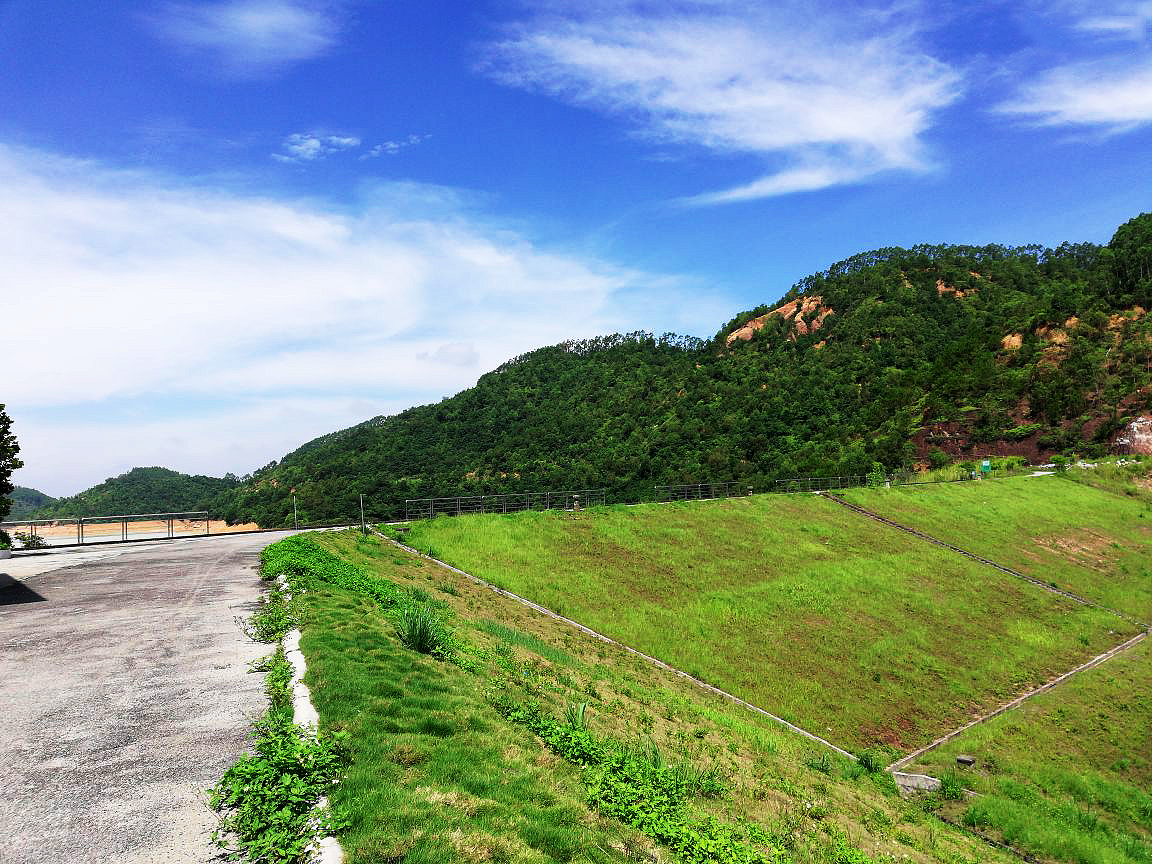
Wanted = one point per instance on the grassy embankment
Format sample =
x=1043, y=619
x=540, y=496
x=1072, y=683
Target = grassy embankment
x=1065, y=776
x=1079, y=538
x=438, y=774
x=865, y=635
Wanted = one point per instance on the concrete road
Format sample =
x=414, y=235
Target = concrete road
x=124, y=694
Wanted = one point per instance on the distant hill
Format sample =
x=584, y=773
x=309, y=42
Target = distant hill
x=27, y=501
x=141, y=490
x=896, y=356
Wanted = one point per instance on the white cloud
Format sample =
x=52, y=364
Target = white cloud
x=1116, y=96
x=831, y=97
x=391, y=148
x=301, y=147
x=135, y=304
x=1104, y=81
x=250, y=37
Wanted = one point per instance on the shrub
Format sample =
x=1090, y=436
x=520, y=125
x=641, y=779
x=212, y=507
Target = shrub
x=30, y=541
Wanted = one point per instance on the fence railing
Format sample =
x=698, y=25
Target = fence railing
x=701, y=491
x=847, y=481
x=426, y=508
x=108, y=529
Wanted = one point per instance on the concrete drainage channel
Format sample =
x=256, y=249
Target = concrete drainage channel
x=328, y=850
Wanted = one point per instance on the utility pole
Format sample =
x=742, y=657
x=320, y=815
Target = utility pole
x=363, y=524
x=295, y=521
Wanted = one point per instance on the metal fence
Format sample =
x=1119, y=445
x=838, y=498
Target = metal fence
x=825, y=484
x=702, y=491
x=109, y=529
x=426, y=508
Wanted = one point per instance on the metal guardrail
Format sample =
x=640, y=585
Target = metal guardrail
x=702, y=491
x=194, y=519
x=426, y=508
x=847, y=481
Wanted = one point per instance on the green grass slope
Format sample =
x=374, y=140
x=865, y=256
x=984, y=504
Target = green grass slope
x=1068, y=775
x=1085, y=540
x=865, y=636
x=439, y=775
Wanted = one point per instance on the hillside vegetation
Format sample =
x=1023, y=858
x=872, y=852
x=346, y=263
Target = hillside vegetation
x=141, y=490
x=895, y=356
x=26, y=502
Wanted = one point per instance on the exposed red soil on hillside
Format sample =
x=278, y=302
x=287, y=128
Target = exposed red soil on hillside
x=805, y=314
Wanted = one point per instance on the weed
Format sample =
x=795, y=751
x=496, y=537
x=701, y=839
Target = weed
x=272, y=620
x=30, y=540
x=420, y=629
x=267, y=799
x=951, y=786
x=872, y=761
x=574, y=715
x=821, y=763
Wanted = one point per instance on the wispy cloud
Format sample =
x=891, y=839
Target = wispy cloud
x=250, y=37
x=302, y=147
x=825, y=97
x=1115, y=95
x=391, y=148
x=131, y=293
x=1105, y=82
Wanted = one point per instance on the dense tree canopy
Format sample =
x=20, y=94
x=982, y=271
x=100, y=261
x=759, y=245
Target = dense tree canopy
x=9, y=462
x=903, y=355
x=141, y=490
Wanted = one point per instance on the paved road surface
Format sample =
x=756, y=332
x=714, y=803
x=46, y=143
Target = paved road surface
x=124, y=694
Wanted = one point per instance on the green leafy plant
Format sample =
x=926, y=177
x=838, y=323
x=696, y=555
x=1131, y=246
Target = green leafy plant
x=5, y=540
x=872, y=761
x=267, y=800
x=951, y=786
x=638, y=786
x=272, y=621
x=29, y=540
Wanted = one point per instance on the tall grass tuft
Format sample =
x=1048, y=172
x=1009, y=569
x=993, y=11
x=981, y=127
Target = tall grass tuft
x=420, y=629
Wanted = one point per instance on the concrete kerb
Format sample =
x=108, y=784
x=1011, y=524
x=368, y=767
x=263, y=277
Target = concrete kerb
x=328, y=849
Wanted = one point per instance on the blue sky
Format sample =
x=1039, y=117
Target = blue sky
x=234, y=225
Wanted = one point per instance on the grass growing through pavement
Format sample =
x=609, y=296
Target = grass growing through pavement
x=439, y=775
x=1082, y=539
x=1068, y=775
x=869, y=637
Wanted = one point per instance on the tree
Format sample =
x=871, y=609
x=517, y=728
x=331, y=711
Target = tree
x=1131, y=260
x=9, y=462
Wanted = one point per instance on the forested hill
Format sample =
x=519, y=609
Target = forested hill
x=141, y=490
x=26, y=501
x=893, y=357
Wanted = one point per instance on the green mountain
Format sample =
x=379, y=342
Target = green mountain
x=141, y=490
x=27, y=501
x=896, y=356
